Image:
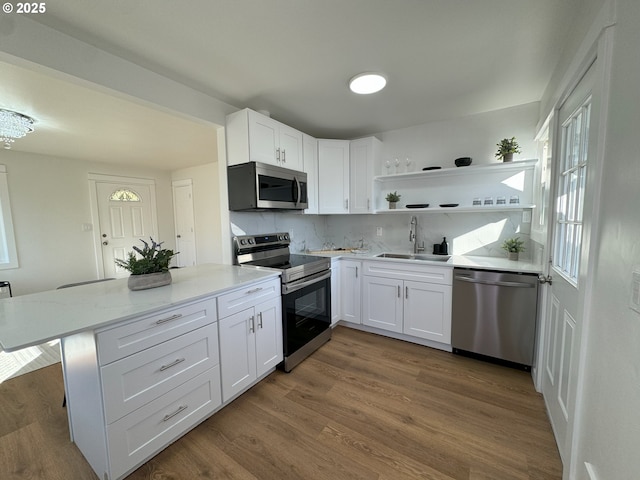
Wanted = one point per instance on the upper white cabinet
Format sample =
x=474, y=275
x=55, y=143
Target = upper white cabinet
x=254, y=137
x=496, y=186
x=310, y=167
x=362, y=156
x=333, y=176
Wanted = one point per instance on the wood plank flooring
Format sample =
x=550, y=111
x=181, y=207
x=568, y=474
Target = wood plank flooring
x=361, y=407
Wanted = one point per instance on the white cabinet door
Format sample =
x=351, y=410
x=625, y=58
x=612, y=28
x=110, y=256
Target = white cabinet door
x=350, y=291
x=264, y=139
x=382, y=303
x=290, y=141
x=268, y=333
x=333, y=176
x=427, y=311
x=335, y=291
x=310, y=167
x=237, y=352
x=363, y=154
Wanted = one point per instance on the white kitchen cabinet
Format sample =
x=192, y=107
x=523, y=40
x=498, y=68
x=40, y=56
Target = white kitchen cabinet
x=250, y=346
x=350, y=290
x=134, y=387
x=333, y=176
x=411, y=299
x=310, y=167
x=254, y=137
x=363, y=155
x=335, y=290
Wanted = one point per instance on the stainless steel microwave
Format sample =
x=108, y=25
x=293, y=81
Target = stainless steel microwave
x=260, y=186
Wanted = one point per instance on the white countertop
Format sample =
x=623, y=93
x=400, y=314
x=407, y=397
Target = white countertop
x=37, y=318
x=462, y=261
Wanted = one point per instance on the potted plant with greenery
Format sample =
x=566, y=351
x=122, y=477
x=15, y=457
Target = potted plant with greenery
x=506, y=148
x=150, y=268
x=513, y=247
x=393, y=199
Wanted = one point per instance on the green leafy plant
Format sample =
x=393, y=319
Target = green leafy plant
x=513, y=245
x=507, y=145
x=393, y=197
x=153, y=259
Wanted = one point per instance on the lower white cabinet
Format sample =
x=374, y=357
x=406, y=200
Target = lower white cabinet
x=335, y=291
x=250, y=345
x=394, y=299
x=350, y=290
x=135, y=387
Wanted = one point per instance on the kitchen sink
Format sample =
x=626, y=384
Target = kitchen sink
x=418, y=256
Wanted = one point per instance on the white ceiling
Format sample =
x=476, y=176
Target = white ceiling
x=443, y=59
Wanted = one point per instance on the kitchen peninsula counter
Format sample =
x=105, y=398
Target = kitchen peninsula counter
x=37, y=318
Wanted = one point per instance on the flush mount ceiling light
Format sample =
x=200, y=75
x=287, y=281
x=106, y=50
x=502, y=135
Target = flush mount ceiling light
x=13, y=125
x=365, y=83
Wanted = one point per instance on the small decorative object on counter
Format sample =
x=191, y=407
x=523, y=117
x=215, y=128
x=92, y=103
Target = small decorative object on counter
x=462, y=161
x=513, y=247
x=506, y=148
x=444, y=247
x=151, y=268
x=393, y=198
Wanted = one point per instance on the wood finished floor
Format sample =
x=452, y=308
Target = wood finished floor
x=362, y=407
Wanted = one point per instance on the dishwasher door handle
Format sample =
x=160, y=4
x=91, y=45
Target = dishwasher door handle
x=496, y=283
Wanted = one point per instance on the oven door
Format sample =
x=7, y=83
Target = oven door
x=306, y=310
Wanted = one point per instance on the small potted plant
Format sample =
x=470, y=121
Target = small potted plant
x=506, y=148
x=513, y=247
x=150, y=268
x=393, y=199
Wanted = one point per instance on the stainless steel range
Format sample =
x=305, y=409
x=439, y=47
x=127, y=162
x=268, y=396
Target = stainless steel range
x=306, y=291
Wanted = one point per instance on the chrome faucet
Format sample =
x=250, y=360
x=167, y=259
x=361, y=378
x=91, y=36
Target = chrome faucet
x=413, y=230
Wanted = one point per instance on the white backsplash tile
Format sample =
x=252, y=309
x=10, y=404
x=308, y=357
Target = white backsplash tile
x=467, y=233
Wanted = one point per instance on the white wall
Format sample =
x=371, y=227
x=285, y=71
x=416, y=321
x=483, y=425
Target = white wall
x=609, y=423
x=50, y=203
x=206, y=210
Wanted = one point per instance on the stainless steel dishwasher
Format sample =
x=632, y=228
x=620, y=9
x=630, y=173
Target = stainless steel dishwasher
x=494, y=314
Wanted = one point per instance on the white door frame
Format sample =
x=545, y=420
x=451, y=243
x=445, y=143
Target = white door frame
x=96, y=178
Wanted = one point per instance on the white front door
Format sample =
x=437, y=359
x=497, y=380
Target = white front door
x=126, y=214
x=573, y=214
x=185, y=223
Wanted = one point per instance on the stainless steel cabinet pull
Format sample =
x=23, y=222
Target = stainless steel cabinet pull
x=277, y=154
x=284, y=155
x=356, y=272
x=368, y=204
x=252, y=324
x=172, y=364
x=260, y=319
x=406, y=292
x=399, y=291
x=346, y=204
x=168, y=319
x=249, y=292
x=169, y=416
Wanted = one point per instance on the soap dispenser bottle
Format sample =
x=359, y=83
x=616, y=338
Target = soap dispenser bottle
x=444, y=247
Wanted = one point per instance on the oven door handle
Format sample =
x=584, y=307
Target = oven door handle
x=292, y=287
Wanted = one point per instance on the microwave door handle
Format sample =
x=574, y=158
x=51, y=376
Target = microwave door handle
x=297, y=193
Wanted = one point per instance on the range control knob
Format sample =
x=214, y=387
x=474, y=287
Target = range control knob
x=280, y=237
x=252, y=241
x=286, y=237
x=243, y=242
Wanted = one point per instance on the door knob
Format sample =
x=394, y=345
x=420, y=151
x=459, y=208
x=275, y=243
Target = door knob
x=105, y=243
x=178, y=236
x=104, y=235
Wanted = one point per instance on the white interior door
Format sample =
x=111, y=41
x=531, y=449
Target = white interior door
x=126, y=215
x=573, y=213
x=184, y=222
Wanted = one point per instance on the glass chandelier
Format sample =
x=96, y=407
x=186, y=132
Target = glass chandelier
x=13, y=125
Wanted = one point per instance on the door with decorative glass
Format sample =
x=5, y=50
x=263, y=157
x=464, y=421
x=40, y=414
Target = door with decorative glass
x=573, y=214
x=126, y=214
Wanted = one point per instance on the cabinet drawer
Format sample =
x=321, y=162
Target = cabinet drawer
x=241, y=299
x=409, y=271
x=135, y=438
x=138, y=379
x=136, y=335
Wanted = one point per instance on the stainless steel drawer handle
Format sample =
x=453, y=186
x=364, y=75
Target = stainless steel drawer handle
x=252, y=324
x=260, y=319
x=254, y=290
x=398, y=291
x=168, y=319
x=172, y=364
x=169, y=416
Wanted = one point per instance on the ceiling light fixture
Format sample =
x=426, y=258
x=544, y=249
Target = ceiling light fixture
x=13, y=125
x=365, y=83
